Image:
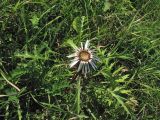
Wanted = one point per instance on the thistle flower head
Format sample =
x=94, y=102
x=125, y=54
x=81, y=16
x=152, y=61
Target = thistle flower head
x=84, y=58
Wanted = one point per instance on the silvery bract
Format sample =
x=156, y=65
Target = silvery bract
x=84, y=58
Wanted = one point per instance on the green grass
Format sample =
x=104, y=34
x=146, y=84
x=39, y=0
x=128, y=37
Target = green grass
x=35, y=78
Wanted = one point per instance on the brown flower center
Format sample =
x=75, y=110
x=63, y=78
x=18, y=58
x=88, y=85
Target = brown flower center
x=84, y=55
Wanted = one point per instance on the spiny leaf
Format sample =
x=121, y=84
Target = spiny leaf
x=120, y=100
x=78, y=24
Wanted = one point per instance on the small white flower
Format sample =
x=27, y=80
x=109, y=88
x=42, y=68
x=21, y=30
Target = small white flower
x=84, y=58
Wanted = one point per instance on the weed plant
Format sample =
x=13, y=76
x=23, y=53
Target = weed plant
x=36, y=82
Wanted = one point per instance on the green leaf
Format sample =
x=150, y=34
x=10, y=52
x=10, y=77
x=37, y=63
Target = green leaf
x=120, y=100
x=125, y=91
x=78, y=24
x=122, y=79
x=118, y=89
x=107, y=5
x=117, y=71
x=71, y=43
x=34, y=20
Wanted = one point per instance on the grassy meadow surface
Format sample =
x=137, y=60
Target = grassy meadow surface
x=36, y=81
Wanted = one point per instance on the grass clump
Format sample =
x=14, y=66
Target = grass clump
x=35, y=79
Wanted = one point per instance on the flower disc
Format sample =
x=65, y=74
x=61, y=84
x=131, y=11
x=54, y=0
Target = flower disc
x=84, y=55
